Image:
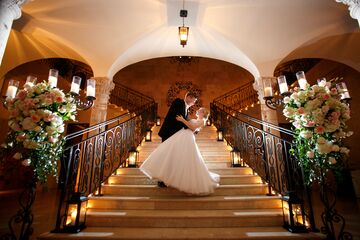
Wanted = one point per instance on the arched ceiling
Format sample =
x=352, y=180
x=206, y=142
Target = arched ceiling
x=111, y=34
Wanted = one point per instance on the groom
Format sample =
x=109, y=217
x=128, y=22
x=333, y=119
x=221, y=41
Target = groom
x=171, y=125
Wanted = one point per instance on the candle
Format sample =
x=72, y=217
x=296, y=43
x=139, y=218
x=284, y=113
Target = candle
x=90, y=89
x=268, y=92
x=52, y=81
x=11, y=92
x=283, y=88
x=302, y=83
x=53, y=77
x=30, y=81
x=75, y=88
x=131, y=159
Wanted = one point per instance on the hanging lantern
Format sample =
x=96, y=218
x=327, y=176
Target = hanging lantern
x=133, y=157
x=148, y=135
x=236, y=160
x=75, y=213
x=220, y=135
x=158, y=121
x=293, y=212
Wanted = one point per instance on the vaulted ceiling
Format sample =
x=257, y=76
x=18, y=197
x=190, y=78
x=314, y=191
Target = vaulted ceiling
x=254, y=34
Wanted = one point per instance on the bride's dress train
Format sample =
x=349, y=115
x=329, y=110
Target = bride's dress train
x=179, y=164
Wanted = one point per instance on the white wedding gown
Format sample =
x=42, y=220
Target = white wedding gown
x=179, y=164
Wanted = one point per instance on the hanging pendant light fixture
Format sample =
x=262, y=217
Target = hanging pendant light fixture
x=183, y=30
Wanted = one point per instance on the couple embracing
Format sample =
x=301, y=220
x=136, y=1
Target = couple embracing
x=177, y=161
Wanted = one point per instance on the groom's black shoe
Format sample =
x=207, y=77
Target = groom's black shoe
x=161, y=184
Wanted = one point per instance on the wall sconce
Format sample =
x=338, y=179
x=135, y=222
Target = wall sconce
x=133, y=157
x=158, y=121
x=90, y=93
x=220, y=135
x=236, y=160
x=148, y=135
x=183, y=31
x=52, y=80
x=75, y=213
x=293, y=212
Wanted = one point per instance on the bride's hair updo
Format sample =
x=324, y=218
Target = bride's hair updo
x=205, y=112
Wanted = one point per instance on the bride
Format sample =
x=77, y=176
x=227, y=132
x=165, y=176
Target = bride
x=178, y=162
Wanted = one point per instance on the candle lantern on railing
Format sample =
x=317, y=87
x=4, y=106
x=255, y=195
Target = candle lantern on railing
x=158, y=121
x=133, y=157
x=220, y=135
x=148, y=135
x=293, y=213
x=236, y=160
x=75, y=213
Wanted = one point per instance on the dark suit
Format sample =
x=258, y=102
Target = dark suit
x=171, y=125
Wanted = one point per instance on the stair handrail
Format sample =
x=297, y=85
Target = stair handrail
x=266, y=152
x=242, y=97
x=92, y=155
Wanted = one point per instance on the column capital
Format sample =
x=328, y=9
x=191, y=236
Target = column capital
x=104, y=85
x=354, y=8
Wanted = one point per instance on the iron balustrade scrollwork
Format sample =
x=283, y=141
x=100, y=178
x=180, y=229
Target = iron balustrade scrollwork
x=129, y=98
x=239, y=98
x=264, y=147
x=92, y=155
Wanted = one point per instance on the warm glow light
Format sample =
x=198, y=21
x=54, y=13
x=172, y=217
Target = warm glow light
x=53, y=77
x=183, y=34
x=90, y=89
x=301, y=79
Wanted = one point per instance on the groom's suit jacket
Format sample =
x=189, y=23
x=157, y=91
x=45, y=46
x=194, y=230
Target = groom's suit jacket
x=171, y=125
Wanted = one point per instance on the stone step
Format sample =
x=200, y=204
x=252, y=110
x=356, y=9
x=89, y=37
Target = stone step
x=226, y=159
x=132, y=233
x=184, y=218
x=187, y=203
x=221, y=171
x=211, y=164
x=153, y=190
x=142, y=179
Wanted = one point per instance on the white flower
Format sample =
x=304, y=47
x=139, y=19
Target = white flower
x=349, y=133
x=286, y=100
x=28, y=124
x=26, y=162
x=335, y=148
x=306, y=134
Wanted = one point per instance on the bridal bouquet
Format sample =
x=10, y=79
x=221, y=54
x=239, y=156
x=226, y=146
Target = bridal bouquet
x=36, y=122
x=319, y=118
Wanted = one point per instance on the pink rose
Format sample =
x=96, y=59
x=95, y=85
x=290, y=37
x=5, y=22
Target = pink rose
x=319, y=129
x=326, y=96
x=333, y=91
x=301, y=110
x=59, y=99
x=310, y=124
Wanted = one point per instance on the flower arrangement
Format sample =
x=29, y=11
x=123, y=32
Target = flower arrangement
x=319, y=118
x=36, y=121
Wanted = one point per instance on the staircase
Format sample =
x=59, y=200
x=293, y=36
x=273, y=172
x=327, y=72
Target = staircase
x=133, y=207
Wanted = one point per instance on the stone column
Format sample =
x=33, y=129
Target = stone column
x=354, y=8
x=104, y=86
x=9, y=11
x=267, y=114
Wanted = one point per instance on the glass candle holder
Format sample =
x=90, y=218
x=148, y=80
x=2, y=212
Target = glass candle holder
x=12, y=89
x=268, y=91
x=343, y=90
x=90, y=89
x=53, y=77
x=30, y=81
x=301, y=80
x=75, y=85
x=283, y=87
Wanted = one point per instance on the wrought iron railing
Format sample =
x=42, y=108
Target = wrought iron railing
x=264, y=147
x=129, y=98
x=240, y=98
x=92, y=155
